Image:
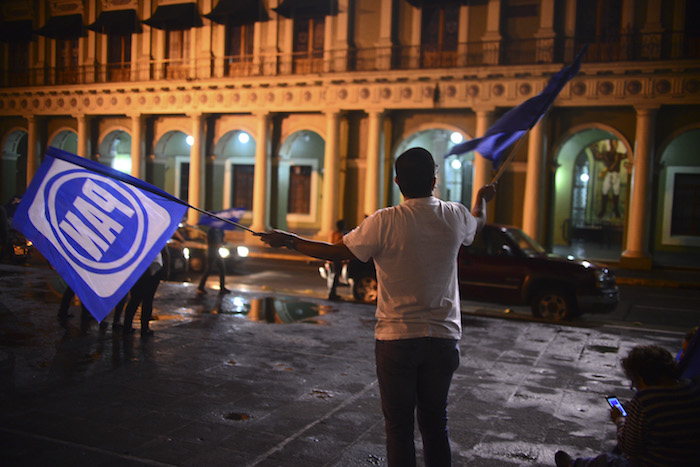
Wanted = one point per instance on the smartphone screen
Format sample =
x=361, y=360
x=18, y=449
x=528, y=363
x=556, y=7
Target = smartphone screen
x=615, y=402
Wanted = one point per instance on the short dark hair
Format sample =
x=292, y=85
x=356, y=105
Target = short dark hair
x=415, y=171
x=652, y=363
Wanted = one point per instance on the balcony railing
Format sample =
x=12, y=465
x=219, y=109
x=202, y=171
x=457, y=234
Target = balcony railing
x=636, y=48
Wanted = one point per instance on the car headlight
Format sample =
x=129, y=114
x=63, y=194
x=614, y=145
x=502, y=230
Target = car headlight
x=602, y=278
x=186, y=253
x=242, y=251
x=224, y=252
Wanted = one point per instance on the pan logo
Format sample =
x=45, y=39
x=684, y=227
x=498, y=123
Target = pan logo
x=102, y=228
x=102, y=213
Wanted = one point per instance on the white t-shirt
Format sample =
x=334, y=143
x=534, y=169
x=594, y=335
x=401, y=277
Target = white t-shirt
x=415, y=247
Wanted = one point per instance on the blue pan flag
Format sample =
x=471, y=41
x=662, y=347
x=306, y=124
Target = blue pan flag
x=234, y=215
x=519, y=120
x=98, y=227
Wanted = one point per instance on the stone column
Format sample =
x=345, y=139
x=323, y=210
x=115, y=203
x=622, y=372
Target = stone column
x=82, y=136
x=373, y=153
x=652, y=32
x=414, y=52
x=196, y=166
x=492, y=37
x=482, y=167
x=534, y=182
x=32, y=160
x=137, y=145
x=260, y=182
x=569, y=30
x=331, y=175
x=463, y=37
x=384, y=45
x=545, y=35
x=636, y=254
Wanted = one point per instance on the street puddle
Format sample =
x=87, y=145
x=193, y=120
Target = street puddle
x=274, y=310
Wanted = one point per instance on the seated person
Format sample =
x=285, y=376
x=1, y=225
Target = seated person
x=662, y=426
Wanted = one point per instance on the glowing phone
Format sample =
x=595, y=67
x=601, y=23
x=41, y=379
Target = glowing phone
x=615, y=402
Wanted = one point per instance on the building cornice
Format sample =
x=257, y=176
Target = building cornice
x=622, y=84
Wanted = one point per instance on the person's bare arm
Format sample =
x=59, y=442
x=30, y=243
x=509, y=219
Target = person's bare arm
x=316, y=249
x=485, y=194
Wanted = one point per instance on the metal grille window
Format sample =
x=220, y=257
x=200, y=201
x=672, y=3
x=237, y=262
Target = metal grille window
x=118, y=57
x=242, y=190
x=239, y=49
x=579, y=197
x=308, y=44
x=439, y=35
x=299, y=189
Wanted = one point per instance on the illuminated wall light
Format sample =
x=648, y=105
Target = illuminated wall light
x=456, y=164
x=243, y=137
x=189, y=140
x=584, y=178
x=456, y=138
x=122, y=164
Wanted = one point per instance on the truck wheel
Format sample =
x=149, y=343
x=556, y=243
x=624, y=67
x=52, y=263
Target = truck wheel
x=365, y=289
x=553, y=304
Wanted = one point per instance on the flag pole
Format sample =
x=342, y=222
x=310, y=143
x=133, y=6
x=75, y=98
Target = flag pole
x=510, y=157
x=228, y=221
x=508, y=160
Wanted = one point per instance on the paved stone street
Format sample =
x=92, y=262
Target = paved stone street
x=260, y=378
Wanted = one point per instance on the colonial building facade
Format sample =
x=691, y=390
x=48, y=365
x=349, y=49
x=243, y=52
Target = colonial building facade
x=295, y=110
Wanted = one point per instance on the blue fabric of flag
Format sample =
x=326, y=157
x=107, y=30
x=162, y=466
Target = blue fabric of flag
x=98, y=227
x=233, y=215
x=519, y=120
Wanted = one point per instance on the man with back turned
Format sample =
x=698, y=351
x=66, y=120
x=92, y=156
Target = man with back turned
x=414, y=246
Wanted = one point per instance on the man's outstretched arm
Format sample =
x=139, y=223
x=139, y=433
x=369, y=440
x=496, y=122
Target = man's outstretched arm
x=321, y=250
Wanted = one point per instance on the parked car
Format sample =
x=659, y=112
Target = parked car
x=194, y=243
x=504, y=265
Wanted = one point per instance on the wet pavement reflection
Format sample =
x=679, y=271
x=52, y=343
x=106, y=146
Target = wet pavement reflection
x=258, y=378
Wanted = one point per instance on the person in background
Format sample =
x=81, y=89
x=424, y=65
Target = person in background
x=662, y=426
x=414, y=246
x=215, y=238
x=142, y=293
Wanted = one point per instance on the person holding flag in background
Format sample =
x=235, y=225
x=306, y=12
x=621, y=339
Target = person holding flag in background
x=99, y=228
x=215, y=238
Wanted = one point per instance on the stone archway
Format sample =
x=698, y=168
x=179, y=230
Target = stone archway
x=591, y=190
x=455, y=173
x=14, y=165
x=299, y=180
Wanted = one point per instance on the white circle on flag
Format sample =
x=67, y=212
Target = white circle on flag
x=63, y=243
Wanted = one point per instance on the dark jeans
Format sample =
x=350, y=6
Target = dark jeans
x=142, y=293
x=211, y=260
x=416, y=374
